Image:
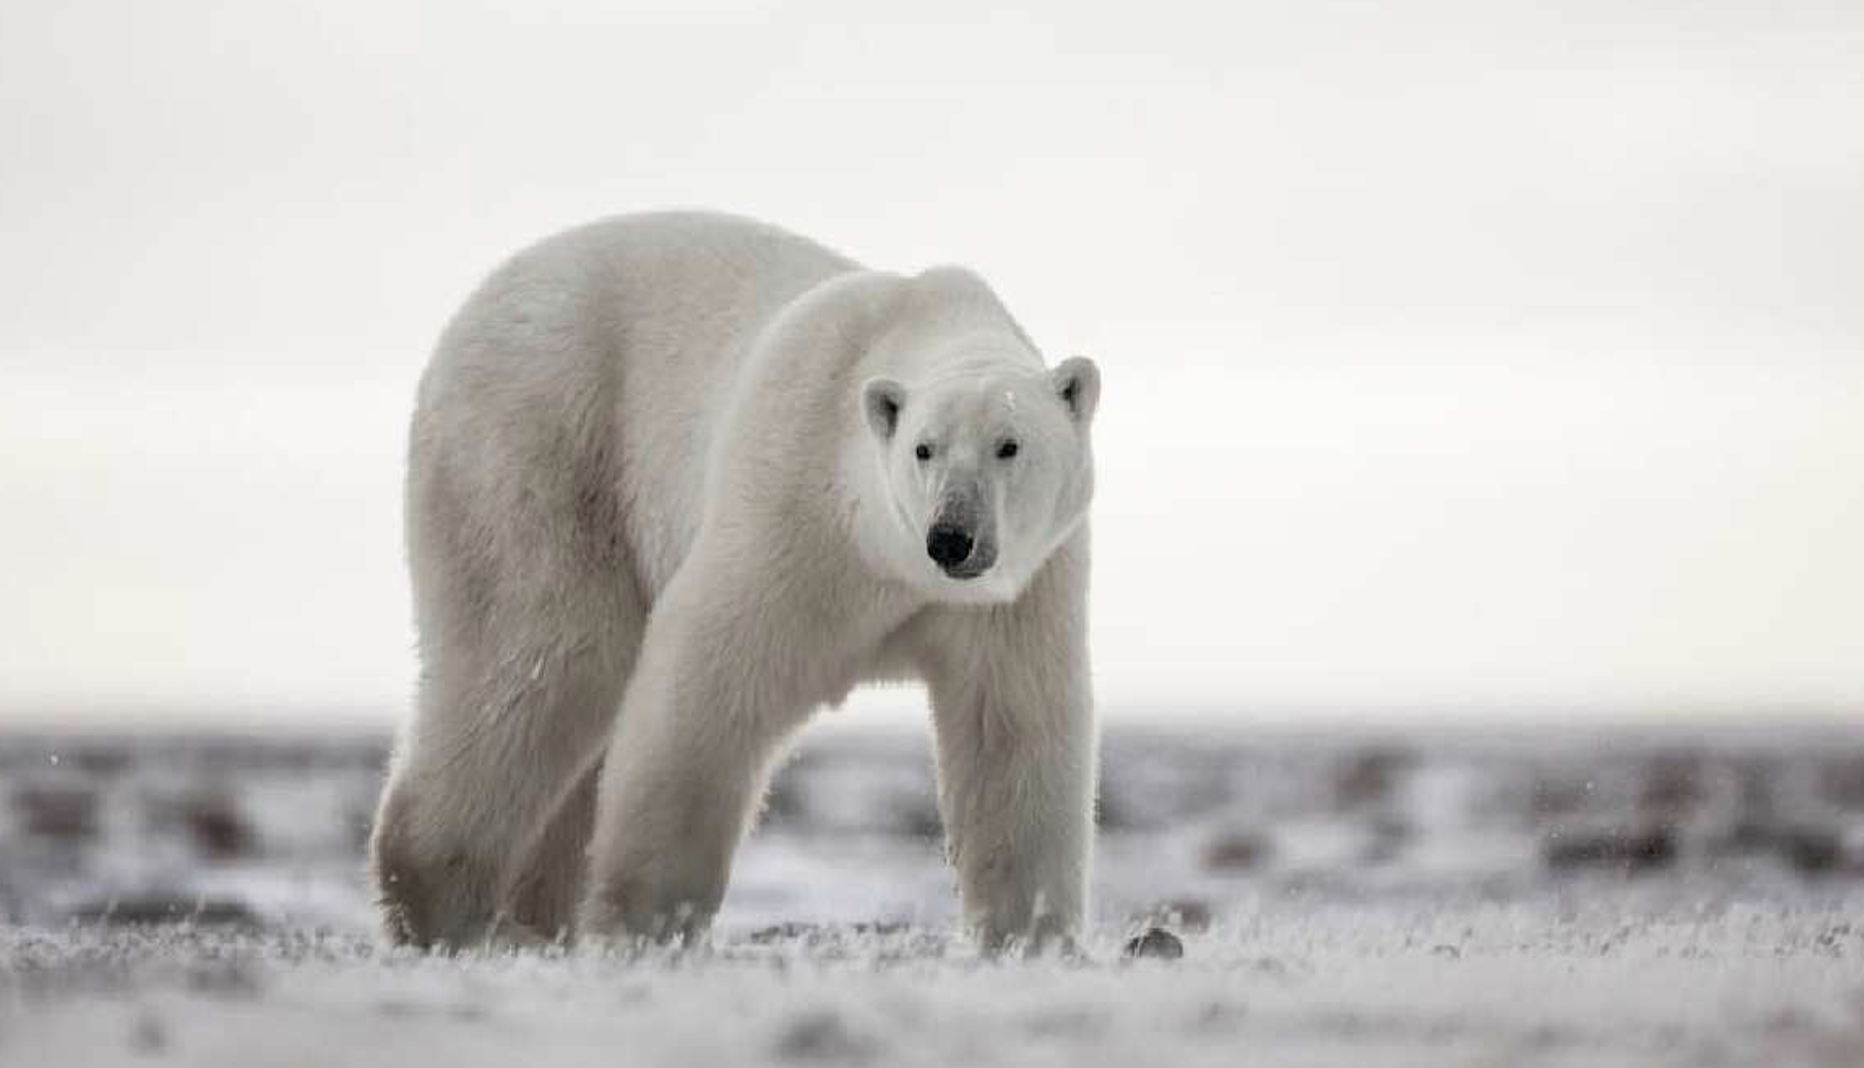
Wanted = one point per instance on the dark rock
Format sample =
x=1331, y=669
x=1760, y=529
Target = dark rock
x=1236, y=851
x=62, y=813
x=1370, y=778
x=1156, y=944
x=1632, y=850
x=208, y=817
x=217, y=828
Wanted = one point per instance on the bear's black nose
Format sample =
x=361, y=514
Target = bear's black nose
x=948, y=546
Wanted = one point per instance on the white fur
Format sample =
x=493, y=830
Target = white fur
x=647, y=472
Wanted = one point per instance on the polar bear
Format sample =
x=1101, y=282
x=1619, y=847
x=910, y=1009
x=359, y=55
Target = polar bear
x=676, y=481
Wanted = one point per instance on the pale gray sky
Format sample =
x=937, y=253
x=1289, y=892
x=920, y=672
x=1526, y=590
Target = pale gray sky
x=1457, y=355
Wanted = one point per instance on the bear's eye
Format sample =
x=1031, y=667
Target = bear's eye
x=924, y=452
x=1008, y=450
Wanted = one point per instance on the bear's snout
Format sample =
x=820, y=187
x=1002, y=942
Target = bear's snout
x=949, y=545
x=958, y=552
x=961, y=541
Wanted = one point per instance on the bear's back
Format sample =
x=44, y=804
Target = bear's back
x=592, y=367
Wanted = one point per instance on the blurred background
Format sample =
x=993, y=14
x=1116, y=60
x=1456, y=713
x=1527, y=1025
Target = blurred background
x=1465, y=363
x=1496, y=360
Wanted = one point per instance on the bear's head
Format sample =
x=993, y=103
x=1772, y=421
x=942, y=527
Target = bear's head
x=986, y=470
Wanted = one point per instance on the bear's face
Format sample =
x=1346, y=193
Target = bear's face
x=985, y=475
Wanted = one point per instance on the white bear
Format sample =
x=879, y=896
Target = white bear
x=676, y=481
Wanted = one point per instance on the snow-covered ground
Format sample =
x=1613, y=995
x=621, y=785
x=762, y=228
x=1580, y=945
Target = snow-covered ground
x=1480, y=984
x=1453, y=899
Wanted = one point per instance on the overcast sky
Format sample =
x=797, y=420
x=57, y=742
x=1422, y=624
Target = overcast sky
x=1476, y=357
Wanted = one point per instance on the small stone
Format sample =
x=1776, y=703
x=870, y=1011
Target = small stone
x=1156, y=943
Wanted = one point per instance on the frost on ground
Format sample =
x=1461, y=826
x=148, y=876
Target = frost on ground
x=1433, y=901
x=1588, y=984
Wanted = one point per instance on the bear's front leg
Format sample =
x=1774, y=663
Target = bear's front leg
x=1017, y=752
x=691, y=754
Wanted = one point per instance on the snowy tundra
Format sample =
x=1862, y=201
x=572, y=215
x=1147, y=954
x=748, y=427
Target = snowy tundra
x=675, y=482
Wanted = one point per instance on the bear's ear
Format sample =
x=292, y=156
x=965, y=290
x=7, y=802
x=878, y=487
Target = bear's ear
x=882, y=399
x=1077, y=383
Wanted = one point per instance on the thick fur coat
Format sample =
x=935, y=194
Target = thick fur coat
x=676, y=481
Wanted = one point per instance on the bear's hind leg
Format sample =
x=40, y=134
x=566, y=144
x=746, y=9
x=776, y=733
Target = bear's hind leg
x=514, y=709
x=472, y=795
x=547, y=894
